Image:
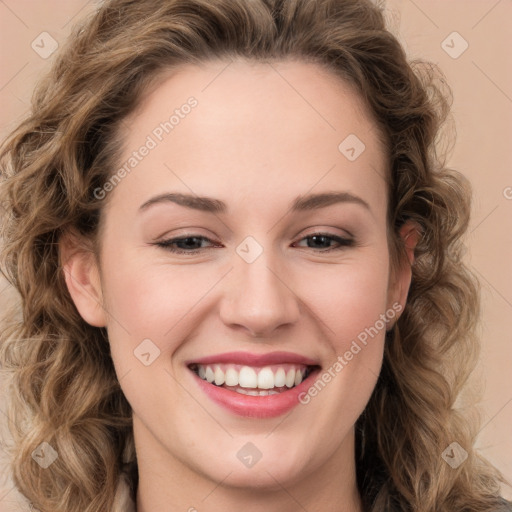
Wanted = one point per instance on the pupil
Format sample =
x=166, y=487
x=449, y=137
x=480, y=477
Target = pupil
x=319, y=238
x=190, y=241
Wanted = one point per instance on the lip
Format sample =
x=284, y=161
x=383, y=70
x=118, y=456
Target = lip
x=248, y=406
x=249, y=359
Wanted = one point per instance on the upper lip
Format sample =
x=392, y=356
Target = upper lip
x=249, y=359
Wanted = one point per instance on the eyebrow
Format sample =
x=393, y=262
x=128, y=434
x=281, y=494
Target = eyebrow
x=216, y=206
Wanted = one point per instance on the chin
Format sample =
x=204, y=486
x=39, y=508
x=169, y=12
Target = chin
x=269, y=467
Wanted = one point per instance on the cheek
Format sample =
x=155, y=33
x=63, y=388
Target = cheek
x=156, y=303
x=351, y=302
x=147, y=302
x=152, y=299
x=349, y=298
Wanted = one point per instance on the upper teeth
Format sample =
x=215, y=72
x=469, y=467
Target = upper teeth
x=251, y=377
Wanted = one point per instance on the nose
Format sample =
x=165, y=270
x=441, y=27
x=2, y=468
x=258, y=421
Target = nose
x=259, y=299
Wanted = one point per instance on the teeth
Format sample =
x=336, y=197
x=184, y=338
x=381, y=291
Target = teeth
x=210, y=376
x=290, y=379
x=248, y=378
x=231, y=377
x=279, y=378
x=266, y=378
x=262, y=392
x=252, y=381
x=219, y=376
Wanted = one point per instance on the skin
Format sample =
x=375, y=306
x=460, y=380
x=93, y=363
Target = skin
x=256, y=143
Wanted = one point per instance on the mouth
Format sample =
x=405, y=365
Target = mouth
x=257, y=386
x=251, y=380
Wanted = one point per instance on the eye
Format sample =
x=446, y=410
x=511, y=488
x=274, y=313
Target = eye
x=325, y=239
x=190, y=244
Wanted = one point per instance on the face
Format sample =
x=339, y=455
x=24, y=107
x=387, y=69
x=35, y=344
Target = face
x=245, y=271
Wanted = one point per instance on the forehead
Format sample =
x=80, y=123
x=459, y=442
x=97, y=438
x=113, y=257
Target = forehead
x=257, y=128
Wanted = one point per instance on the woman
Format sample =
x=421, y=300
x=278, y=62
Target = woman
x=239, y=258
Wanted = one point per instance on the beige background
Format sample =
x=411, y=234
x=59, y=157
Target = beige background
x=481, y=79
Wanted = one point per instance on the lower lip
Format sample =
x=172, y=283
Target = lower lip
x=269, y=406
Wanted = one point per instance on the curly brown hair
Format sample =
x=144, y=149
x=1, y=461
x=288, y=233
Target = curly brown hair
x=63, y=387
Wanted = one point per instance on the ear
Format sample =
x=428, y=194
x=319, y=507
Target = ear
x=82, y=276
x=400, y=282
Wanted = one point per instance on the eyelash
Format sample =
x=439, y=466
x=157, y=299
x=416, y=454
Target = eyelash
x=166, y=244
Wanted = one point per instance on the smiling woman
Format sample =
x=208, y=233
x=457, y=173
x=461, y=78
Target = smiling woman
x=257, y=301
